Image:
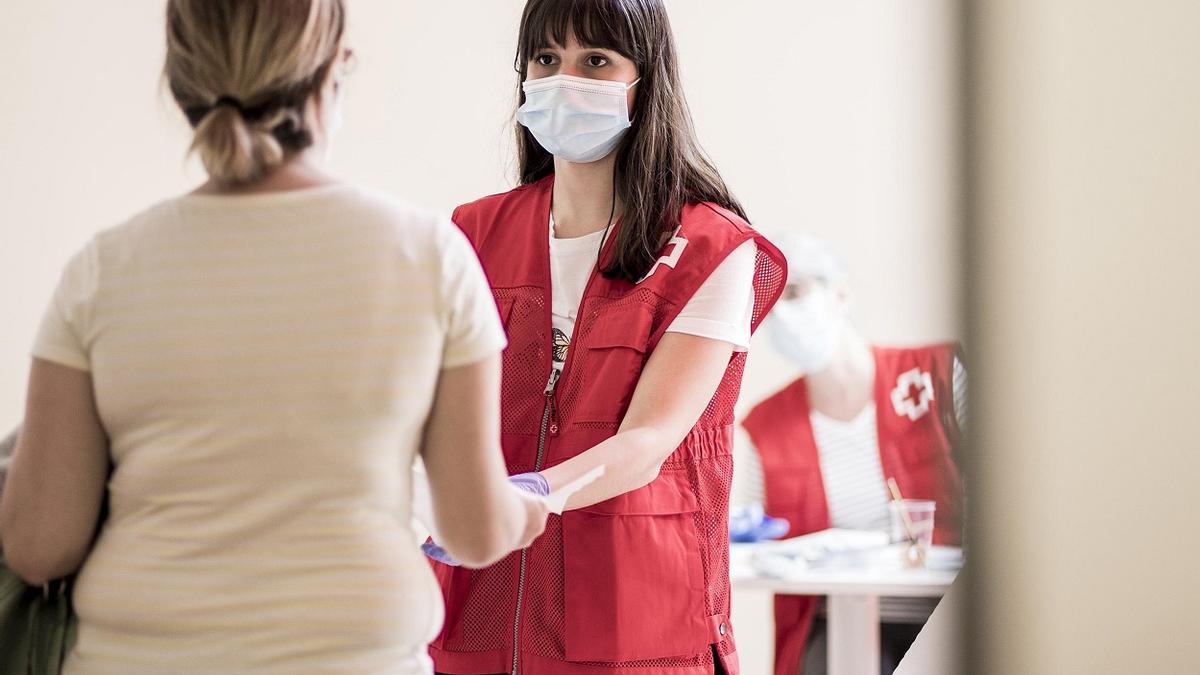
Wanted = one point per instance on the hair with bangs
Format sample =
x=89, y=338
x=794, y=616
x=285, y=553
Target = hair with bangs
x=660, y=167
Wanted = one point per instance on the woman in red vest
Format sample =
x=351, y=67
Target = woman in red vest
x=629, y=283
x=829, y=441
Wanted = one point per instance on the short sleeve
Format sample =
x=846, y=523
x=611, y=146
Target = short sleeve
x=473, y=328
x=723, y=307
x=62, y=337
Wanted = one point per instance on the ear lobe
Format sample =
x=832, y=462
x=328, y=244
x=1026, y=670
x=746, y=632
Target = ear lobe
x=845, y=298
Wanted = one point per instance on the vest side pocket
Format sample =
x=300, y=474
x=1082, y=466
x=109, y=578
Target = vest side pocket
x=633, y=577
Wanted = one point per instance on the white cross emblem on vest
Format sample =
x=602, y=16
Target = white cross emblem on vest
x=913, y=393
x=677, y=244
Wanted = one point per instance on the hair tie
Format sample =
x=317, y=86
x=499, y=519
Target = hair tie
x=196, y=114
x=231, y=102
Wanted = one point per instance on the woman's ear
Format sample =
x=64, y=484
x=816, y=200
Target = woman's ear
x=341, y=70
x=844, y=296
x=632, y=96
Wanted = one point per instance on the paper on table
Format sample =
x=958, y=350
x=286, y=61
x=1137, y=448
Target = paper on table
x=558, y=499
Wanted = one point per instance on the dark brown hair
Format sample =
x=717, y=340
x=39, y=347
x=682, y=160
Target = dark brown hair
x=660, y=166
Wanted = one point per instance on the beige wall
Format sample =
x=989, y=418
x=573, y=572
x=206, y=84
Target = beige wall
x=831, y=116
x=1087, y=233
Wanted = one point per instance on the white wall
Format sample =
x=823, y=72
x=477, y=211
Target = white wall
x=831, y=116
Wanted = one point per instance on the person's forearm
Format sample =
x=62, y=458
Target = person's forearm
x=30, y=520
x=632, y=459
x=481, y=529
x=659, y=417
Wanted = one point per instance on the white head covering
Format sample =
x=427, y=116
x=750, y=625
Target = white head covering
x=807, y=329
x=809, y=257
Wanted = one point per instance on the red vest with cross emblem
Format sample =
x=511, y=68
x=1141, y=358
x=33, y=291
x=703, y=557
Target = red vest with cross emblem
x=639, y=583
x=914, y=401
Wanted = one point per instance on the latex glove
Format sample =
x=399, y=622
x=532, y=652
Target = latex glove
x=749, y=524
x=530, y=482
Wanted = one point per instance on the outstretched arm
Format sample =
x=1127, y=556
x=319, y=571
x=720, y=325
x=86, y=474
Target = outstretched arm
x=676, y=386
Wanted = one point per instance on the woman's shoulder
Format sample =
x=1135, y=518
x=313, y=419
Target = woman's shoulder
x=126, y=235
x=379, y=218
x=712, y=216
x=490, y=207
x=373, y=205
x=710, y=227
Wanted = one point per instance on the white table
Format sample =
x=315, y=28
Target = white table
x=852, y=592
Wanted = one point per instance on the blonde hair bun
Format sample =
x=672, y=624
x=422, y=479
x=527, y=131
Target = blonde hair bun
x=245, y=72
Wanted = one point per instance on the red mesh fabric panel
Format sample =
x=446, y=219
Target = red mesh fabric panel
x=525, y=364
x=483, y=628
x=711, y=479
x=719, y=412
x=542, y=625
x=768, y=281
x=704, y=659
x=612, y=426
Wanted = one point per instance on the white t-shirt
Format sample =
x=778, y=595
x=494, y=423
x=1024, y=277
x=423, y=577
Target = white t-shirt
x=264, y=366
x=721, y=308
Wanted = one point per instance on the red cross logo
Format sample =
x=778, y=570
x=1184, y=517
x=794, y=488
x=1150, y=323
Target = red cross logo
x=677, y=244
x=913, y=393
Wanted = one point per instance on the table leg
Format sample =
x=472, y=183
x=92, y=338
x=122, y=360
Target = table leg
x=853, y=622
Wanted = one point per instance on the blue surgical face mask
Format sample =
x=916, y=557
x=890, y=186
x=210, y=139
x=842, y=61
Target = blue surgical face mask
x=575, y=118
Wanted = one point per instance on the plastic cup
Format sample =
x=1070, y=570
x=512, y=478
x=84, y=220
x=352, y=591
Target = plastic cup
x=920, y=513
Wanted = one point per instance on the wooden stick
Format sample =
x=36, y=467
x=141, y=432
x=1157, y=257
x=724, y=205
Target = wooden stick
x=905, y=519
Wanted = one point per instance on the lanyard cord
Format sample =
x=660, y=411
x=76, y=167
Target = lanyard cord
x=611, y=213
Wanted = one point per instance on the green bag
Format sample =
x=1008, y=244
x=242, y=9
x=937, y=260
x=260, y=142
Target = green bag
x=37, y=625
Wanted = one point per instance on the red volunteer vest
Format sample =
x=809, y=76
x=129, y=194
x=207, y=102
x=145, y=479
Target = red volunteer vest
x=914, y=400
x=640, y=582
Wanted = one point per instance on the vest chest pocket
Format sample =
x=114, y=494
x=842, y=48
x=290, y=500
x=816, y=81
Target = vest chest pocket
x=612, y=357
x=633, y=578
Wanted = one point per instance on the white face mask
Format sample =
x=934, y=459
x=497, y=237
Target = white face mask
x=574, y=118
x=807, y=330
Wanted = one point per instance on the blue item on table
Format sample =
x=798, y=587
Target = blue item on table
x=748, y=524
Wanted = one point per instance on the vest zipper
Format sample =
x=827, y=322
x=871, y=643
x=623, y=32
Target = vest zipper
x=548, y=415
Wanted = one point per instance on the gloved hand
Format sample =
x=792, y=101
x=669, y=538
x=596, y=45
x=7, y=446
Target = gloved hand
x=530, y=482
x=748, y=524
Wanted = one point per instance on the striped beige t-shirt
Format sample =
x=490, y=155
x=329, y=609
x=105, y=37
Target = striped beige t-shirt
x=263, y=366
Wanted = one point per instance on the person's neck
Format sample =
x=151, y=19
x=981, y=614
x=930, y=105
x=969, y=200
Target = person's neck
x=845, y=388
x=583, y=197
x=302, y=171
